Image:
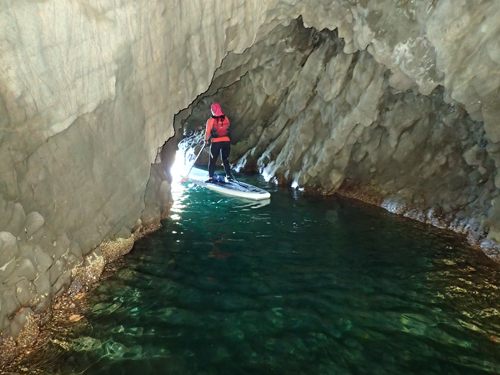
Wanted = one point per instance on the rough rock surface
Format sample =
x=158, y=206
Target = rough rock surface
x=401, y=99
x=322, y=119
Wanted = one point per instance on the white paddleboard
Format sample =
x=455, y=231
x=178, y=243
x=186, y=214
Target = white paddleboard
x=233, y=188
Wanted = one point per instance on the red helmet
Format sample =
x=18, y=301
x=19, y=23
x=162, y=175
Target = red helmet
x=216, y=110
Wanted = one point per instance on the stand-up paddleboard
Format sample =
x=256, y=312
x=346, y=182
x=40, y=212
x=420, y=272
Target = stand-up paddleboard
x=233, y=188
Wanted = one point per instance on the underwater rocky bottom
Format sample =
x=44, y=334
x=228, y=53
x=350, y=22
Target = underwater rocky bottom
x=298, y=285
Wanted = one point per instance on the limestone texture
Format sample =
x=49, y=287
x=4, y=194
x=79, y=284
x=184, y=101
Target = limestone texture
x=329, y=121
x=397, y=102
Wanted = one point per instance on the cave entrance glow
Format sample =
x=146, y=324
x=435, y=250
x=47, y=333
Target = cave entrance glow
x=184, y=159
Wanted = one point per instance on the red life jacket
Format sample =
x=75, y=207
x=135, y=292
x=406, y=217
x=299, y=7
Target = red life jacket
x=220, y=127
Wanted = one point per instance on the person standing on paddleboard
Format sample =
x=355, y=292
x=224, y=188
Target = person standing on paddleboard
x=218, y=130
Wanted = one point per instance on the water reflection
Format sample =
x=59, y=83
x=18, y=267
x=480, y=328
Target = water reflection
x=299, y=285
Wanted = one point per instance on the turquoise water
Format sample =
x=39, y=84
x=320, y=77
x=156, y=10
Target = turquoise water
x=301, y=285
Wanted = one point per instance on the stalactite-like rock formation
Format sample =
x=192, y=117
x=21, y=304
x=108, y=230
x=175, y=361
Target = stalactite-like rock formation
x=396, y=101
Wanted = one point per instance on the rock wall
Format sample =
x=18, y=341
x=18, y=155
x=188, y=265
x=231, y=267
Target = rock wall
x=89, y=90
x=340, y=120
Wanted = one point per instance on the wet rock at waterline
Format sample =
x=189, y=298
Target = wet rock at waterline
x=322, y=119
x=395, y=103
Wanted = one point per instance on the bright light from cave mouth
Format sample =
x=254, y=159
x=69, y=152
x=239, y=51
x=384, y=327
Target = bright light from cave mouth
x=184, y=158
x=181, y=164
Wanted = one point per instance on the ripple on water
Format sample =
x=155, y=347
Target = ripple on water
x=297, y=285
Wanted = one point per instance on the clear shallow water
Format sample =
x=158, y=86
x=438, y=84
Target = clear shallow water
x=302, y=285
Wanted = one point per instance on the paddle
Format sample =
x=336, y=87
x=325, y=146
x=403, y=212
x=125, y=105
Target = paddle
x=184, y=179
